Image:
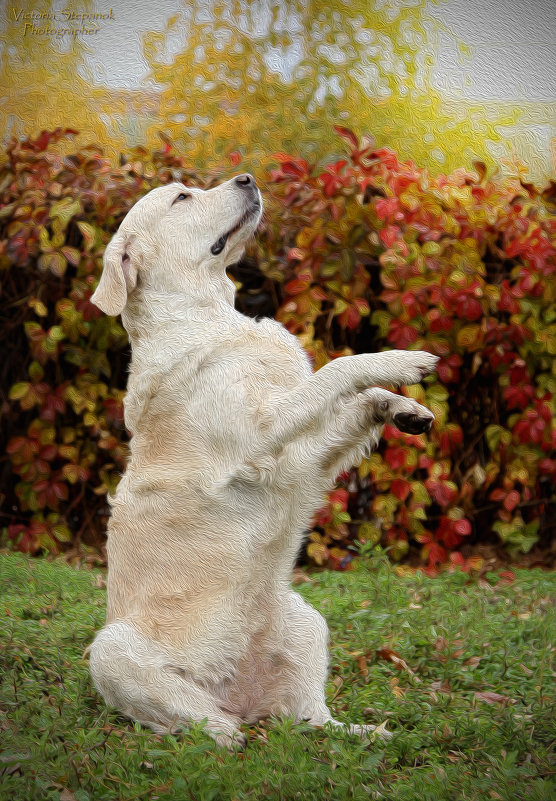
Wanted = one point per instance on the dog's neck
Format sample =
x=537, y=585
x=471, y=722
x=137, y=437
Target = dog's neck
x=164, y=329
x=151, y=314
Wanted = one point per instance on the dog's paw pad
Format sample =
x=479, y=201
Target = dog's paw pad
x=411, y=423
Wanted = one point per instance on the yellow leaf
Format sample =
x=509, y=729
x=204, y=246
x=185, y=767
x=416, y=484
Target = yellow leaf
x=468, y=337
x=317, y=552
x=37, y=306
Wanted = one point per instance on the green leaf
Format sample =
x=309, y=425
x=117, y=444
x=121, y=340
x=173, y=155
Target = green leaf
x=495, y=434
x=368, y=532
x=56, y=333
x=516, y=535
x=54, y=262
x=88, y=232
x=62, y=533
x=420, y=493
x=36, y=372
x=65, y=209
x=469, y=337
x=437, y=392
x=71, y=472
x=19, y=390
x=382, y=321
x=430, y=248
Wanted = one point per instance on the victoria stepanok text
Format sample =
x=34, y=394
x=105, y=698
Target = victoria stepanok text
x=19, y=15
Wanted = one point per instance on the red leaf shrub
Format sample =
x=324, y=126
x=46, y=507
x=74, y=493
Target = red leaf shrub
x=460, y=265
x=363, y=254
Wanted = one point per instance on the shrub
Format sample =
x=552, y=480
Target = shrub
x=364, y=254
x=380, y=255
x=65, y=362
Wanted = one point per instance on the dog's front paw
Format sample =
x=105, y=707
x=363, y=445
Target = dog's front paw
x=414, y=423
x=419, y=364
x=405, y=413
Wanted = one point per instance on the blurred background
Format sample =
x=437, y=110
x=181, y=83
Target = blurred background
x=441, y=82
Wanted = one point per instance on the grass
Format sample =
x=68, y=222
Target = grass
x=471, y=702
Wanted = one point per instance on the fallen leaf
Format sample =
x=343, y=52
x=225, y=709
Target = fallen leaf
x=396, y=689
x=404, y=571
x=362, y=665
x=494, y=698
x=441, y=686
x=473, y=661
x=299, y=577
x=397, y=660
x=338, y=684
x=381, y=731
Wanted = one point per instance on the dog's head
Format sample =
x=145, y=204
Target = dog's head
x=179, y=238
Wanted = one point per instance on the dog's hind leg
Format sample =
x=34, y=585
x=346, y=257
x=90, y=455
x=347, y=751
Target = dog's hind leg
x=136, y=676
x=298, y=688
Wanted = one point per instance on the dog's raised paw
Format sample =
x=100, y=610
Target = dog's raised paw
x=422, y=363
x=411, y=423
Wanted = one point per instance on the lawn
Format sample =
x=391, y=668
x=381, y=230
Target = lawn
x=459, y=667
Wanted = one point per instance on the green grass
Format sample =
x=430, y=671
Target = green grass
x=458, y=637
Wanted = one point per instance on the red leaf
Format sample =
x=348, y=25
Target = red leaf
x=511, y=500
x=462, y=527
x=348, y=135
x=400, y=488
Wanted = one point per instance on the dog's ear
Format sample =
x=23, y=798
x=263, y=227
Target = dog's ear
x=119, y=276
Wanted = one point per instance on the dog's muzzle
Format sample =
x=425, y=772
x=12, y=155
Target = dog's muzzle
x=247, y=183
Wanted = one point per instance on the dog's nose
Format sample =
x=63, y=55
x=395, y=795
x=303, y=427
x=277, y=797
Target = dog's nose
x=245, y=180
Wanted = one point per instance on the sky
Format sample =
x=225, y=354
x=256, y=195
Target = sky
x=511, y=57
x=513, y=47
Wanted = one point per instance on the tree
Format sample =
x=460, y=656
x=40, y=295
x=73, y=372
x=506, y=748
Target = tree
x=260, y=77
x=46, y=80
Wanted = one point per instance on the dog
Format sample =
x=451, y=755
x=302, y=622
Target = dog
x=234, y=443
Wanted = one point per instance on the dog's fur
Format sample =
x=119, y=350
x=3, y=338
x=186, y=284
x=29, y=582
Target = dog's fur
x=235, y=442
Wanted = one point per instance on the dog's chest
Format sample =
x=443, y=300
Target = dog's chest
x=276, y=356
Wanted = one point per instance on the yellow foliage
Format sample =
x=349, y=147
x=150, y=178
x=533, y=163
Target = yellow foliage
x=232, y=90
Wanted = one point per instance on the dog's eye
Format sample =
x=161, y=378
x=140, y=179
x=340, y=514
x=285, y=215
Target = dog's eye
x=181, y=196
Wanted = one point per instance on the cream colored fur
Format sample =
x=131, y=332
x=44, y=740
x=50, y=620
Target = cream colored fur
x=235, y=442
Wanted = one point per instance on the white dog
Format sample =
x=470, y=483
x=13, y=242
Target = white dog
x=235, y=442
